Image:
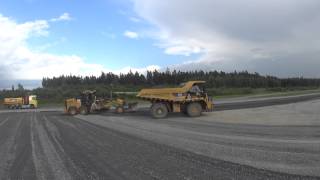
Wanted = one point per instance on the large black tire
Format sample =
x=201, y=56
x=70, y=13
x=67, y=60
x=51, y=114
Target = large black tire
x=32, y=106
x=72, y=111
x=83, y=110
x=159, y=110
x=194, y=109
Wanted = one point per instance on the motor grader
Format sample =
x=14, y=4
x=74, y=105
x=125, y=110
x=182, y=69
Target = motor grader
x=190, y=99
x=89, y=103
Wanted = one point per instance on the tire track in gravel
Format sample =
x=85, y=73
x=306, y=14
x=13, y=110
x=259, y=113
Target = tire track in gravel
x=3, y=119
x=294, y=156
x=56, y=139
x=204, y=125
x=135, y=158
x=48, y=162
x=22, y=166
x=42, y=145
x=8, y=130
x=90, y=158
x=93, y=139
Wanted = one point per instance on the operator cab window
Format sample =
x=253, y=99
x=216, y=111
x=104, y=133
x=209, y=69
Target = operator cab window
x=197, y=89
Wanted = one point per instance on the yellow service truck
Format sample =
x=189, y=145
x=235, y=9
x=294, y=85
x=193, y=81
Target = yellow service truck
x=27, y=102
x=191, y=99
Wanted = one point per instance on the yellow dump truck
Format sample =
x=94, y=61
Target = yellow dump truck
x=21, y=102
x=190, y=99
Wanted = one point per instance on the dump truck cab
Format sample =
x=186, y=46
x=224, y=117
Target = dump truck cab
x=197, y=93
x=190, y=98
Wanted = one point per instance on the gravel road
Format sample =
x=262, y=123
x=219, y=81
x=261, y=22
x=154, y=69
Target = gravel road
x=50, y=145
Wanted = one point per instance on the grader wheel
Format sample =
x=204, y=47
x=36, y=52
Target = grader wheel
x=119, y=110
x=84, y=110
x=159, y=110
x=194, y=109
x=72, y=111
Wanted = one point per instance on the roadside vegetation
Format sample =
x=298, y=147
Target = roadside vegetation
x=219, y=84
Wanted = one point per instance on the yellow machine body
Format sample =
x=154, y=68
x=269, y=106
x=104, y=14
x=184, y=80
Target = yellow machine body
x=74, y=106
x=177, y=99
x=72, y=103
x=21, y=102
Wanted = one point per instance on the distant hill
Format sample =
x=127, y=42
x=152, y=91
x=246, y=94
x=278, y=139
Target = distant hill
x=27, y=84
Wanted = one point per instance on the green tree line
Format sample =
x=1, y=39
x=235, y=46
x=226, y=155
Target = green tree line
x=56, y=89
x=214, y=79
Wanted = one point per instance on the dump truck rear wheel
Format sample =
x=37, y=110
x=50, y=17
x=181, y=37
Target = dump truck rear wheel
x=84, y=110
x=72, y=111
x=159, y=110
x=194, y=109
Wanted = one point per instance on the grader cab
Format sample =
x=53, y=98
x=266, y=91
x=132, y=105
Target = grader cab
x=190, y=99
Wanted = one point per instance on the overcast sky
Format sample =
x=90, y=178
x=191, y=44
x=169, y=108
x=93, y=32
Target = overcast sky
x=267, y=36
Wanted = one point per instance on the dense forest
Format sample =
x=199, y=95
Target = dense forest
x=214, y=79
x=218, y=84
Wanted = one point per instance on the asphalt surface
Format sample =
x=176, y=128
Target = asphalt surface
x=50, y=145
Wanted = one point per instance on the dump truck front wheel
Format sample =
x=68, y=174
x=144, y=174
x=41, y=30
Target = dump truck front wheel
x=159, y=110
x=72, y=111
x=194, y=109
x=84, y=110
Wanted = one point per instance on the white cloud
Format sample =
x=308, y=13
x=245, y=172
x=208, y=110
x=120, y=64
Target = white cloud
x=182, y=50
x=228, y=33
x=19, y=61
x=139, y=70
x=131, y=34
x=134, y=19
x=62, y=17
x=108, y=35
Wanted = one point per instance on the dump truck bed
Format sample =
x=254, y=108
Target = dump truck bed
x=161, y=94
x=167, y=94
